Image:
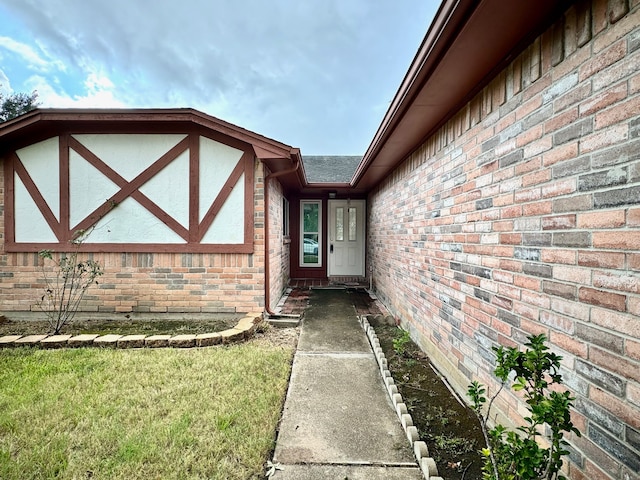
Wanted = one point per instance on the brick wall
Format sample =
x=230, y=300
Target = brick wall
x=279, y=245
x=521, y=216
x=3, y=257
x=152, y=282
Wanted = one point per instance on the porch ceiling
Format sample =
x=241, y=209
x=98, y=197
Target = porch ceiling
x=467, y=44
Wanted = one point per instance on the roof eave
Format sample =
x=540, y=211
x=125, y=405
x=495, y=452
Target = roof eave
x=44, y=121
x=479, y=36
x=151, y=115
x=435, y=37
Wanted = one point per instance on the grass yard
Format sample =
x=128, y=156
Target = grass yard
x=141, y=414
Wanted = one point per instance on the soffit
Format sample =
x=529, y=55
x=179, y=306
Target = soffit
x=467, y=44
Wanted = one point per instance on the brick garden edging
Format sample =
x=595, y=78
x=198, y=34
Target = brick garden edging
x=427, y=463
x=244, y=329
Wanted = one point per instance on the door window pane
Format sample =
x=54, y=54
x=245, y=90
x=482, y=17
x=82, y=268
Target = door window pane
x=339, y=224
x=353, y=220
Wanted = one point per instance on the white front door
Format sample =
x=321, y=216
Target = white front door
x=346, y=238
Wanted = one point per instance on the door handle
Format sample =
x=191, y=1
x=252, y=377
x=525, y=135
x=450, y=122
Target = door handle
x=331, y=248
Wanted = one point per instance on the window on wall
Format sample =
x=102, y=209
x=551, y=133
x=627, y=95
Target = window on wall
x=311, y=234
x=285, y=217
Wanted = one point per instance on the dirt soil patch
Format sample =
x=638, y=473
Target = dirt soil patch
x=450, y=429
x=277, y=336
x=122, y=324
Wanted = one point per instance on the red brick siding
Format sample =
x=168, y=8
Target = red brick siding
x=279, y=246
x=3, y=257
x=152, y=282
x=520, y=216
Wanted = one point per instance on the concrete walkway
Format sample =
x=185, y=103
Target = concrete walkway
x=338, y=420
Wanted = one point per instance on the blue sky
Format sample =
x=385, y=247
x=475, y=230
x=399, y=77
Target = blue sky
x=314, y=74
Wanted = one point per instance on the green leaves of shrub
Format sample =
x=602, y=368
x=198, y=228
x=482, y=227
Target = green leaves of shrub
x=518, y=455
x=400, y=342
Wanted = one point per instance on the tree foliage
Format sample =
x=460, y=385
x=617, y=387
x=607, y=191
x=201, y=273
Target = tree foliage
x=16, y=104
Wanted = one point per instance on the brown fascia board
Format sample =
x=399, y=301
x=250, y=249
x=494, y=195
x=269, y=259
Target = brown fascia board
x=140, y=116
x=328, y=185
x=302, y=173
x=276, y=149
x=467, y=43
x=46, y=118
x=435, y=41
x=10, y=126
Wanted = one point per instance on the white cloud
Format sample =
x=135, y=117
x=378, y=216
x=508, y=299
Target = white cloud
x=306, y=73
x=95, y=97
x=97, y=82
x=28, y=54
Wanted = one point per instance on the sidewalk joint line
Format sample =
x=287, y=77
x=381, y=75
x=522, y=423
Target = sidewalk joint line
x=355, y=464
x=335, y=354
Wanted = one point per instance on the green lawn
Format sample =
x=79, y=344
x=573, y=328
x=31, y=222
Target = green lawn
x=140, y=414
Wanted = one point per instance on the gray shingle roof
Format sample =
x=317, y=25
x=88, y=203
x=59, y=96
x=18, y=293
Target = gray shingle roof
x=330, y=169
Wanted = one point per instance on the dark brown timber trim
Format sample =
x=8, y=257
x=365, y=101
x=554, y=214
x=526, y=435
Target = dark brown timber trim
x=249, y=169
x=130, y=189
x=9, y=203
x=133, y=247
x=222, y=197
x=191, y=235
x=194, y=188
x=37, y=197
x=65, y=205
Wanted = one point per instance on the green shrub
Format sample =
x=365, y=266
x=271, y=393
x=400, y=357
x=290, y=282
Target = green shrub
x=518, y=455
x=400, y=342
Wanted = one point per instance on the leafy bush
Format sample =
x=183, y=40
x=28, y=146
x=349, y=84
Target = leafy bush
x=518, y=455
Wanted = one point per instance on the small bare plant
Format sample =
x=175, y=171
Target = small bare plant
x=65, y=289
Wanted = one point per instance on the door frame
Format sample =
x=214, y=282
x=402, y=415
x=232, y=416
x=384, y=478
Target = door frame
x=361, y=235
